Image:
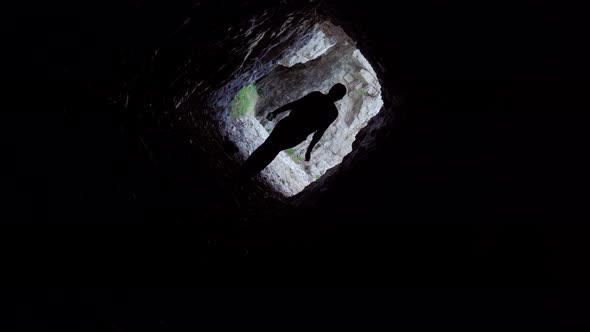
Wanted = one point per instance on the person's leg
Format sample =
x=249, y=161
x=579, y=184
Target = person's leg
x=260, y=158
x=283, y=136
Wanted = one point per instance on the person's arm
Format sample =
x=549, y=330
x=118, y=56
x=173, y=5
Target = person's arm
x=280, y=110
x=315, y=139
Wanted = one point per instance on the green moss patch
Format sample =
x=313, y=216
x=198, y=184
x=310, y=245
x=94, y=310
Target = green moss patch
x=244, y=102
x=294, y=156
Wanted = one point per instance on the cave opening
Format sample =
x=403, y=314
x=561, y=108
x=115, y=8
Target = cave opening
x=324, y=56
x=474, y=178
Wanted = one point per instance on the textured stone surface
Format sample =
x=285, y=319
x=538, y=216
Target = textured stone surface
x=318, y=44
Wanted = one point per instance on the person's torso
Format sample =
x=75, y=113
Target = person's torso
x=312, y=112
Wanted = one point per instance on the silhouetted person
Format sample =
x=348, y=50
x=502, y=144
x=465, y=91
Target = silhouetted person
x=311, y=114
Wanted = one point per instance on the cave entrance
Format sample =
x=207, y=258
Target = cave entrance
x=328, y=56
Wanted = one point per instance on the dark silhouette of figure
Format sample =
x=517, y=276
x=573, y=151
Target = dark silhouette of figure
x=311, y=114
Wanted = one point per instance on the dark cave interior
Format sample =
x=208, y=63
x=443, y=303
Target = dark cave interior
x=471, y=175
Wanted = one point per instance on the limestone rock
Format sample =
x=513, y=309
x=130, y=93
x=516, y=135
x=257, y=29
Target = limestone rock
x=318, y=44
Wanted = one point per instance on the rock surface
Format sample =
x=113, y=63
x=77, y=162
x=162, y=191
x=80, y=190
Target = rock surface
x=318, y=44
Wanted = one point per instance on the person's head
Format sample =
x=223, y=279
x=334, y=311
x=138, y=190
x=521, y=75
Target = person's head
x=337, y=92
